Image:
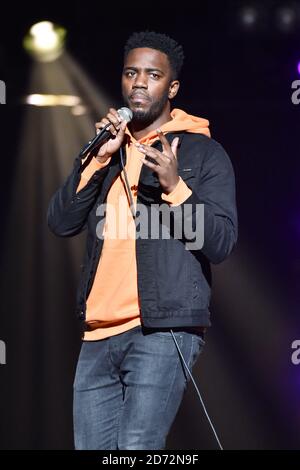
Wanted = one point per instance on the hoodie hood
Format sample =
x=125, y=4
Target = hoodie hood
x=181, y=121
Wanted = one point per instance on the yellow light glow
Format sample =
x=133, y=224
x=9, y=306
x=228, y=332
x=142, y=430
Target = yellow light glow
x=44, y=36
x=79, y=110
x=52, y=100
x=45, y=41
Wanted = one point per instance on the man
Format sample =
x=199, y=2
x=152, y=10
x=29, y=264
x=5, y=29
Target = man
x=142, y=293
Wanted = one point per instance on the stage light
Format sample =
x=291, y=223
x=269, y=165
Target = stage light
x=286, y=18
x=298, y=67
x=45, y=41
x=52, y=100
x=248, y=17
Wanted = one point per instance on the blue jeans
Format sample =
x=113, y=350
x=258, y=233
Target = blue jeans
x=128, y=388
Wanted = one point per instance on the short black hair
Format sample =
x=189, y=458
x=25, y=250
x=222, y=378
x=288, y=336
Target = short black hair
x=160, y=42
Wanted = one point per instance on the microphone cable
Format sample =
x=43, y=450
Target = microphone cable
x=198, y=393
x=131, y=205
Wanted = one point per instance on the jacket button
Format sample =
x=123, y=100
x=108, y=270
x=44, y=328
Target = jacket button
x=81, y=315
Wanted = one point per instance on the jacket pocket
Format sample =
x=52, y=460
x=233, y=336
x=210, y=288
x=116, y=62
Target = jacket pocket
x=188, y=173
x=171, y=279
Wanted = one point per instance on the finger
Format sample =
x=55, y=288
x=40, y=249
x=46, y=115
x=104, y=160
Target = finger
x=114, y=119
x=151, y=165
x=121, y=130
x=160, y=158
x=149, y=152
x=114, y=112
x=115, y=123
x=100, y=125
x=165, y=144
x=174, y=146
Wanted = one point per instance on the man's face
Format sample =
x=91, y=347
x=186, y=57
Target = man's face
x=146, y=81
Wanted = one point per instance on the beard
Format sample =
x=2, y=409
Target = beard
x=145, y=117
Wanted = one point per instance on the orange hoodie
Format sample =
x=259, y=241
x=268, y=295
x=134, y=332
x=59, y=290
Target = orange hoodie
x=113, y=304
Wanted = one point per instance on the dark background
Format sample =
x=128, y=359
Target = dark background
x=240, y=80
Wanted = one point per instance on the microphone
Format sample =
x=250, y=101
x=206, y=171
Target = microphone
x=105, y=134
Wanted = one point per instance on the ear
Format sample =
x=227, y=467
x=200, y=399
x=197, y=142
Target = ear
x=173, y=89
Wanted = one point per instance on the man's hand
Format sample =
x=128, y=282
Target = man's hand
x=117, y=129
x=165, y=162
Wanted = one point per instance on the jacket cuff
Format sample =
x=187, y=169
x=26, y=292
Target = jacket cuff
x=88, y=172
x=93, y=166
x=180, y=193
